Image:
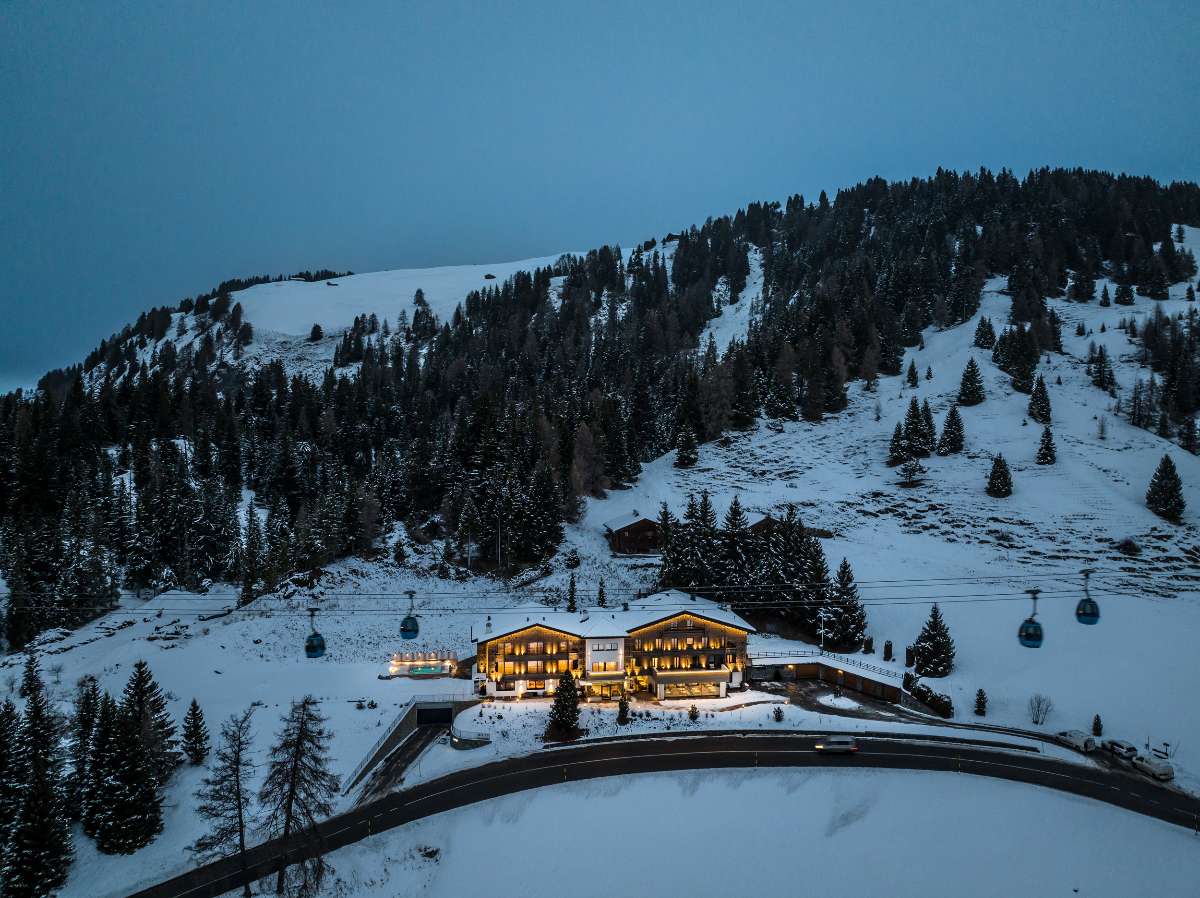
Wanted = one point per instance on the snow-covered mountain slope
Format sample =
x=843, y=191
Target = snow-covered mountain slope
x=291, y=308
x=944, y=541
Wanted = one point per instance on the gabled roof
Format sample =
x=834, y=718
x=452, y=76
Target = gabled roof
x=594, y=623
x=624, y=520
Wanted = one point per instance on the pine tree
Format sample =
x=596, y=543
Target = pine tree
x=572, y=606
x=898, y=448
x=1105, y=297
x=225, y=800
x=970, y=391
x=195, y=734
x=31, y=676
x=736, y=559
x=985, y=334
x=144, y=702
x=298, y=790
x=930, y=428
x=916, y=436
x=601, y=598
x=132, y=814
x=564, y=713
x=12, y=776
x=1165, y=495
x=1046, y=454
x=980, y=703
x=252, y=557
x=1039, y=402
x=929, y=372
x=953, y=438
x=851, y=623
x=1097, y=726
x=686, y=454
x=933, y=652
x=910, y=376
x=102, y=765
x=83, y=723
x=39, y=839
x=999, y=484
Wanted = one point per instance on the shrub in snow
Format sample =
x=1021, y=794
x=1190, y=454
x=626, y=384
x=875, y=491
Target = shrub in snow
x=887, y=650
x=693, y=713
x=623, y=711
x=1040, y=707
x=1128, y=547
x=980, y=703
x=939, y=702
x=869, y=646
x=777, y=713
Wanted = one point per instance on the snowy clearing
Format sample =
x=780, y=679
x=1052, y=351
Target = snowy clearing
x=769, y=831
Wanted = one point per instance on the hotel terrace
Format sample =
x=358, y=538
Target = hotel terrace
x=670, y=645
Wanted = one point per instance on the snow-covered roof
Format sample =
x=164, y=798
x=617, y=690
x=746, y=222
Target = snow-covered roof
x=592, y=623
x=624, y=520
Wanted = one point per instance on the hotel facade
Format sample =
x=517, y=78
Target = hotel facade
x=670, y=645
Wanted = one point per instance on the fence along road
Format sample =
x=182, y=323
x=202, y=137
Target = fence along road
x=654, y=754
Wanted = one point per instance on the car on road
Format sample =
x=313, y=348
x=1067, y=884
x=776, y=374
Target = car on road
x=1154, y=767
x=1120, y=749
x=1078, y=739
x=837, y=745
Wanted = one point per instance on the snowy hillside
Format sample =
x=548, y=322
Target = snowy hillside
x=291, y=308
x=944, y=540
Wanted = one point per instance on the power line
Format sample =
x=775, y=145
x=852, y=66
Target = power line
x=251, y=610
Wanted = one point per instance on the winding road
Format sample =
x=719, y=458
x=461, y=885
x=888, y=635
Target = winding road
x=657, y=754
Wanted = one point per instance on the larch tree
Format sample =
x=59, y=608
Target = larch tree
x=225, y=800
x=298, y=792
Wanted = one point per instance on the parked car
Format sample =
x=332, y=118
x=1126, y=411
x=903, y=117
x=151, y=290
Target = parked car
x=1160, y=770
x=1122, y=750
x=837, y=745
x=1078, y=739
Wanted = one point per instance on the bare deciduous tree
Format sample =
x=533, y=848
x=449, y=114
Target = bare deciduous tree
x=1040, y=707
